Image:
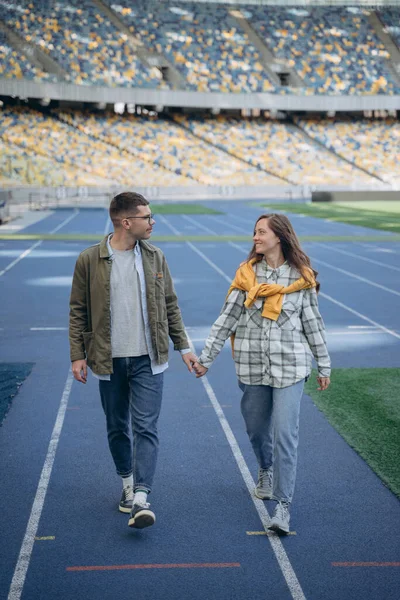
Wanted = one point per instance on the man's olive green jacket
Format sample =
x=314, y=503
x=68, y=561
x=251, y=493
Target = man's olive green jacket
x=90, y=317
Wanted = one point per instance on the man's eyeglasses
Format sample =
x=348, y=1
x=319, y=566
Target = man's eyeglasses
x=149, y=218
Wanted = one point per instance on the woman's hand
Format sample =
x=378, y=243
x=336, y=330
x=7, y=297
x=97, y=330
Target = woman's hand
x=323, y=383
x=199, y=370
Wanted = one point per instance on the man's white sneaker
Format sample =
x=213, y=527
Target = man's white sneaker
x=281, y=518
x=263, y=489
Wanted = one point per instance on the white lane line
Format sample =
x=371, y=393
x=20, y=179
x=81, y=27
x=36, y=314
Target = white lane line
x=354, y=312
x=67, y=220
x=213, y=265
x=36, y=244
x=361, y=316
x=346, y=252
x=354, y=276
x=242, y=219
x=199, y=225
x=24, y=557
x=20, y=257
x=276, y=544
x=48, y=328
x=370, y=332
x=168, y=224
x=225, y=224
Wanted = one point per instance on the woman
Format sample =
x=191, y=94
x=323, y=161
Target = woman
x=271, y=313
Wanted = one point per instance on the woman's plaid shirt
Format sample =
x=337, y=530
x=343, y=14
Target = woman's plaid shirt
x=276, y=353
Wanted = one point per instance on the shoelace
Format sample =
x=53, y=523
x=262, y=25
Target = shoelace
x=128, y=492
x=266, y=477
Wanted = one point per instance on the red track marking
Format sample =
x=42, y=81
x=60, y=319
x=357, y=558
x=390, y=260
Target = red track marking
x=366, y=564
x=155, y=566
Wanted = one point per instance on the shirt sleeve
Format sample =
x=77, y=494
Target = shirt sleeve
x=314, y=330
x=223, y=327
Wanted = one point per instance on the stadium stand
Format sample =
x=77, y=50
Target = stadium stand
x=15, y=65
x=49, y=137
x=26, y=166
x=95, y=148
x=166, y=143
x=279, y=147
x=334, y=50
x=371, y=144
x=81, y=40
x=390, y=17
x=203, y=41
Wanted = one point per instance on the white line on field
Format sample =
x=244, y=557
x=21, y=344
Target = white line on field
x=18, y=580
x=346, y=252
x=276, y=544
x=36, y=244
x=199, y=225
x=48, y=328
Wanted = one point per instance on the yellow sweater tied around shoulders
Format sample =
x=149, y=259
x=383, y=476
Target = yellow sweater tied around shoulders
x=246, y=281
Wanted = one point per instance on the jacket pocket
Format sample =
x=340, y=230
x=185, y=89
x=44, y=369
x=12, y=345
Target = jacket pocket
x=162, y=338
x=88, y=341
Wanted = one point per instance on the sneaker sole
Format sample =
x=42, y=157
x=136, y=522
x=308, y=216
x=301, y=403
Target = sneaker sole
x=261, y=497
x=144, y=518
x=124, y=509
x=275, y=527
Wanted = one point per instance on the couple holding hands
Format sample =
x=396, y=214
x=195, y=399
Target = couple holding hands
x=124, y=309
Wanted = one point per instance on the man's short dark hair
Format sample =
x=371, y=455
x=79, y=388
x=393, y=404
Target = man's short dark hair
x=124, y=203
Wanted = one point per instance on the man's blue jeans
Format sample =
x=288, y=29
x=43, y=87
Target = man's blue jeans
x=132, y=398
x=272, y=423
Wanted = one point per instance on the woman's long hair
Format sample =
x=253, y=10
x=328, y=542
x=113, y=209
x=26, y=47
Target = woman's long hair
x=295, y=256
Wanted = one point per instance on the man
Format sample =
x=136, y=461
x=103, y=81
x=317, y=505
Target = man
x=123, y=308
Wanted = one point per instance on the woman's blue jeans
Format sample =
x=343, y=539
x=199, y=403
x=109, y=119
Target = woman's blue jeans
x=272, y=423
x=131, y=401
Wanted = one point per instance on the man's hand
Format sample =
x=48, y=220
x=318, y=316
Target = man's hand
x=189, y=359
x=79, y=370
x=199, y=370
x=323, y=383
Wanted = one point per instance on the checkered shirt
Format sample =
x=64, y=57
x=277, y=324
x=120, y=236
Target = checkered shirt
x=275, y=353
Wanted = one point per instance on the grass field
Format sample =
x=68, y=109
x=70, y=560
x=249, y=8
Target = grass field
x=363, y=406
x=387, y=206
x=96, y=237
x=374, y=216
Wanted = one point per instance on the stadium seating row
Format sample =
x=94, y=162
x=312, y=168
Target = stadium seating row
x=86, y=148
x=334, y=50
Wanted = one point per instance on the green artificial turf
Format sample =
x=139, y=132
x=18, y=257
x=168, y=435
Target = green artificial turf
x=12, y=376
x=94, y=237
x=351, y=214
x=363, y=406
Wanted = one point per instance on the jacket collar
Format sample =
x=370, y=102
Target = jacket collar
x=105, y=253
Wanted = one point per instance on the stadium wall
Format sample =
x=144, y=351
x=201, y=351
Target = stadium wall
x=45, y=197
x=186, y=99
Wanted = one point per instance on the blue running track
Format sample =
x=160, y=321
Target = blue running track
x=62, y=535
